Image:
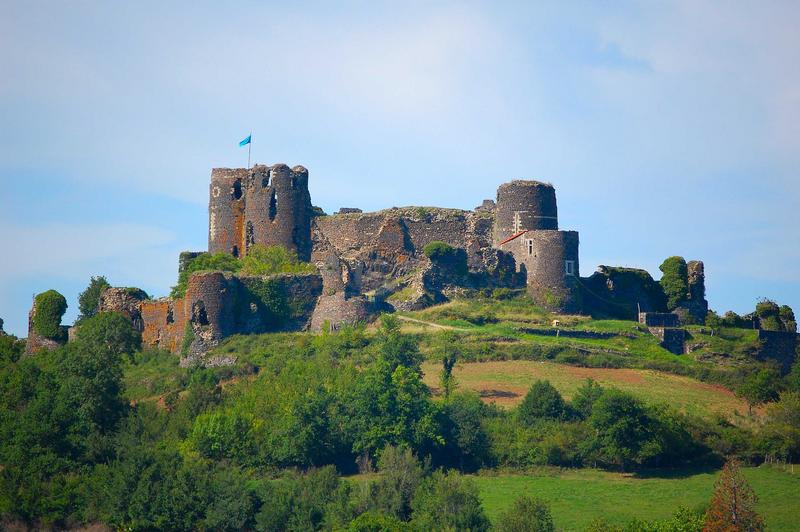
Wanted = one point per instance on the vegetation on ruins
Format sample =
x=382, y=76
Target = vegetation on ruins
x=50, y=307
x=674, y=280
x=259, y=261
x=89, y=299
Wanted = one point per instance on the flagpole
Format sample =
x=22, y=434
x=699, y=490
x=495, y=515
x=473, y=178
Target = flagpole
x=249, y=144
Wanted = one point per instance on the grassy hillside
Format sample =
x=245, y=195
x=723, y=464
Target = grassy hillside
x=579, y=496
x=506, y=383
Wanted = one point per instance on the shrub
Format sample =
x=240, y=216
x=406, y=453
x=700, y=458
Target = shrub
x=541, y=401
x=448, y=501
x=89, y=299
x=50, y=307
x=206, y=261
x=527, y=514
x=447, y=256
x=110, y=331
x=585, y=397
x=269, y=260
x=674, y=281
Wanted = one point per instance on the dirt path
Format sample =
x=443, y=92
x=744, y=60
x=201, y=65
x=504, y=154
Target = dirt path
x=430, y=324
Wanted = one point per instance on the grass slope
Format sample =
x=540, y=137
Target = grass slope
x=579, y=496
x=507, y=382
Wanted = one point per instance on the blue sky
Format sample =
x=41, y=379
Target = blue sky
x=667, y=128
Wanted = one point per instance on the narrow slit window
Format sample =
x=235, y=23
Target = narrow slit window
x=529, y=244
x=569, y=267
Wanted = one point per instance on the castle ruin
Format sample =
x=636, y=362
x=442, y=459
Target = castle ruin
x=366, y=262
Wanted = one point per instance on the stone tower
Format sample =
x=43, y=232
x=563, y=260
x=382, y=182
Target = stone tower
x=267, y=205
x=526, y=224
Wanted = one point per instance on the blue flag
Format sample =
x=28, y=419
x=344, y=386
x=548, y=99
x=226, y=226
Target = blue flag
x=246, y=141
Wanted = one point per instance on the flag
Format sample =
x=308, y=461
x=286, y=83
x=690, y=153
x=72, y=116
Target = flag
x=246, y=141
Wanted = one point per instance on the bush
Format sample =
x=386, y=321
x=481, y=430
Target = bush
x=448, y=501
x=445, y=255
x=204, y=262
x=89, y=299
x=674, y=281
x=526, y=515
x=110, y=331
x=541, y=401
x=50, y=307
x=269, y=260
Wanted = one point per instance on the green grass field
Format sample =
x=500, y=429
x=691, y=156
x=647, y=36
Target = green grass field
x=579, y=496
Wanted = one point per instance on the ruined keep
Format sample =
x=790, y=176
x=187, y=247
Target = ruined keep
x=267, y=205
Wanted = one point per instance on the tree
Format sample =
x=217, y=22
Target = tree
x=585, y=397
x=625, y=431
x=50, y=307
x=781, y=430
x=449, y=351
x=527, y=514
x=466, y=442
x=733, y=504
x=89, y=299
x=448, y=501
x=401, y=475
x=674, y=281
x=541, y=401
x=110, y=332
x=761, y=387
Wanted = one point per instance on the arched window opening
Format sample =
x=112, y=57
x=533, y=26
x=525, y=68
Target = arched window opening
x=199, y=315
x=237, y=189
x=273, y=205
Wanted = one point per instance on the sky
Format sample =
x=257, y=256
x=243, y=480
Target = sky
x=667, y=128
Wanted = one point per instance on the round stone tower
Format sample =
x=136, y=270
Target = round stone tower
x=524, y=206
x=268, y=205
x=526, y=225
x=278, y=209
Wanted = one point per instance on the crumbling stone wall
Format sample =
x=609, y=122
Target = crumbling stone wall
x=671, y=338
x=127, y=301
x=779, y=346
x=226, y=210
x=659, y=319
x=621, y=293
x=695, y=305
x=220, y=304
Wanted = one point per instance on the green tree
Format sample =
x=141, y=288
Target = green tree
x=541, y=401
x=448, y=501
x=625, y=431
x=50, y=307
x=110, y=332
x=733, y=506
x=527, y=514
x=448, y=350
x=375, y=522
x=466, y=442
x=401, y=475
x=89, y=299
x=760, y=387
x=674, y=280
x=585, y=397
x=781, y=430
